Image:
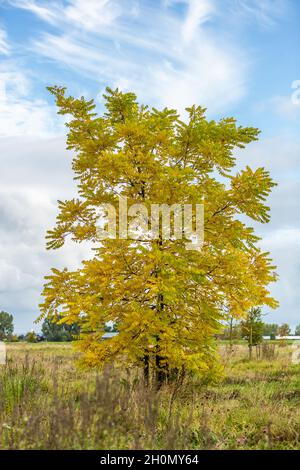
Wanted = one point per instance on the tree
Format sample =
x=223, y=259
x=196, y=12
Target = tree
x=31, y=337
x=6, y=325
x=270, y=329
x=55, y=331
x=231, y=331
x=252, y=328
x=297, y=330
x=14, y=338
x=284, y=330
x=167, y=301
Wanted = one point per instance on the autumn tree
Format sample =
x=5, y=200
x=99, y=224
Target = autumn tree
x=252, y=328
x=31, y=337
x=166, y=301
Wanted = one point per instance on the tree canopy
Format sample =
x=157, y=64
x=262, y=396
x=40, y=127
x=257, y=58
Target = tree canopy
x=53, y=330
x=252, y=327
x=167, y=302
x=6, y=325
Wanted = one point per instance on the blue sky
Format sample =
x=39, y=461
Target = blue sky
x=235, y=57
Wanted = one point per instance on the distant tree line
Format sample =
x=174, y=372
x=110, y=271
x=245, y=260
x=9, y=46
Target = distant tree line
x=49, y=332
x=251, y=328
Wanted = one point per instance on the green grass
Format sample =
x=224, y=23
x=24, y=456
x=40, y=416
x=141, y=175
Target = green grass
x=46, y=402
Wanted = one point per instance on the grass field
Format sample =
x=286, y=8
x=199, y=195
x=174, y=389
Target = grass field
x=46, y=402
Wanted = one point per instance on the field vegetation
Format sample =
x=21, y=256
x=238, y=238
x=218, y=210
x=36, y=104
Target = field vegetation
x=47, y=402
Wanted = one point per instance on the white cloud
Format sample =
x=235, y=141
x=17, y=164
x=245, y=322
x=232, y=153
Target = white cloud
x=4, y=47
x=198, y=13
x=207, y=75
x=93, y=15
x=280, y=154
x=87, y=14
x=20, y=114
x=281, y=237
x=13, y=279
x=43, y=12
x=284, y=244
x=265, y=12
x=182, y=63
x=34, y=174
x=284, y=106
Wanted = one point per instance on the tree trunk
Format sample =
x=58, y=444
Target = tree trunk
x=161, y=367
x=146, y=361
x=230, y=333
x=250, y=342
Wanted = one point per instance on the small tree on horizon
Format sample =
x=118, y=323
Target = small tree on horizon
x=167, y=302
x=252, y=328
x=6, y=325
x=284, y=330
x=31, y=337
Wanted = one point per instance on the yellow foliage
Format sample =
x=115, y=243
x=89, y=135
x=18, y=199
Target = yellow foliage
x=163, y=298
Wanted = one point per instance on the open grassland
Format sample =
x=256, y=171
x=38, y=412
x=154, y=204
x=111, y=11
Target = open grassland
x=46, y=402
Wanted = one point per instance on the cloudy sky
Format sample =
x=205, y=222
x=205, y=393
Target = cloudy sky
x=236, y=57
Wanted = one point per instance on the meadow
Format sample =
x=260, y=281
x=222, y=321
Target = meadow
x=47, y=402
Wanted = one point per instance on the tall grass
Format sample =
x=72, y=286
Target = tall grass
x=47, y=403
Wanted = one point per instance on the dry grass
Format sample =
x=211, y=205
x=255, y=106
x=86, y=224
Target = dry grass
x=46, y=402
